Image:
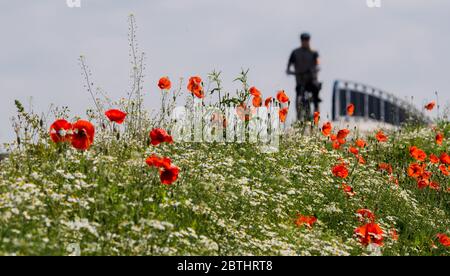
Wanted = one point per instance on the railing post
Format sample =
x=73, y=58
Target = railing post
x=347, y=100
x=335, y=104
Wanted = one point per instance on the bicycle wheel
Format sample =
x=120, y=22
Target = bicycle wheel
x=303, y=105
x=307, y=108
x=299, y=107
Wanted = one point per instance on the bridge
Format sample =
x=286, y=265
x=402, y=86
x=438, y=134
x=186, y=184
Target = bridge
x=373, y=104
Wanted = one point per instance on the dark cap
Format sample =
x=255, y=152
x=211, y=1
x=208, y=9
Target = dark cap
x=305, y=36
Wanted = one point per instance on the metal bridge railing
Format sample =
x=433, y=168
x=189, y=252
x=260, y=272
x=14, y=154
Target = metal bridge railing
x=373, y=103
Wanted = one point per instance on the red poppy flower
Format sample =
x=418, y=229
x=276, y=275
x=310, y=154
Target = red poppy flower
x=434, y=159
x=282, y=97
x=360, y=143
x=195, y=86
x=159, y=136
x=257, y=101
x=254, y=92
x=350, y=109
x=83, y=135
x=348, y=190
x=415, y=170
x=385, y=167
x=283, y=114
x=336, y=145
x=426, y=174
x=370, y=233
x=340, y=171
x=316, y=118
x=361, y=160
x=434, y=185
x=61, y=131
x=422, y=183
x=158, y=162
x=326, y=129
x=412, y=150
x=430, y=106
x=165, y=84
x=353, y=150
x=365, y=214
x=169, y=175
x=444, y=239
x=267, y=102
x=444, y=170
x=439, y=138
x=417, y=154
x=381, y=137
x=445, y=158
x=115, y=115
x=308, y=221
x=342, y=134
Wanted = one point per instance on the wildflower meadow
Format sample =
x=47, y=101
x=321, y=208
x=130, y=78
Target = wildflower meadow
x=122, y=180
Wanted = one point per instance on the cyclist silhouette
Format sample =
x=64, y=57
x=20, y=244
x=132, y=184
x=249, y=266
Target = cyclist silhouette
x=306, y=69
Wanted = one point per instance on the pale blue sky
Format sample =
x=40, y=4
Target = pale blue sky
x=402, y=47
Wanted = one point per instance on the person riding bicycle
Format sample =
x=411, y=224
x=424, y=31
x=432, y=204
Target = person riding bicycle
x=306, y=65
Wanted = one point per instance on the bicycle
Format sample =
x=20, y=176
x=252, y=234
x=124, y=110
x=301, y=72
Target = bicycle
x=302, y=102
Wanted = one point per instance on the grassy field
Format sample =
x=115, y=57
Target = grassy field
x=229, y=199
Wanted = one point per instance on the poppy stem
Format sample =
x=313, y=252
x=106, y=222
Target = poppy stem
x=89, y=84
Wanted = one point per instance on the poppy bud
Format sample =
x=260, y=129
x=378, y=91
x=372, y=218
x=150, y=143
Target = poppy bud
x=118, y=136
x=18, y=140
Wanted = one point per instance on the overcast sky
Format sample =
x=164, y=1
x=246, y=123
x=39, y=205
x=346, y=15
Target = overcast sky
x=402, y=47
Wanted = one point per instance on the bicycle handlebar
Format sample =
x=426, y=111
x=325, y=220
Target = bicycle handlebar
x=291, y=73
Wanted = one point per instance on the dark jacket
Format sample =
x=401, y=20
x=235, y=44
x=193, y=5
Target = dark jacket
x=305, y=62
